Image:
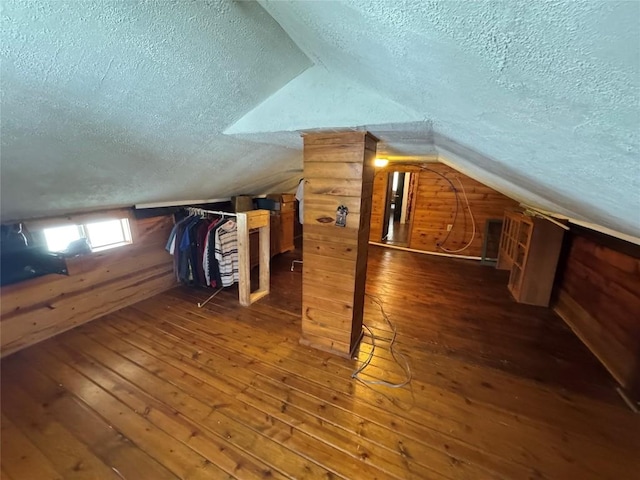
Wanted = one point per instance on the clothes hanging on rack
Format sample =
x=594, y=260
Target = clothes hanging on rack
x=209, y=261
x=226, y=253
x=201, y=235
x=216, y=243
x=174, y=247
x=186, y=268
x=205, y=250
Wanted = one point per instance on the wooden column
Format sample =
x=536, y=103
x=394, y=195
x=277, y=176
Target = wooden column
x=338, y=170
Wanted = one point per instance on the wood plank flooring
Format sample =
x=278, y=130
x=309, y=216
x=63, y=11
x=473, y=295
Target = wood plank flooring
x=164, y=390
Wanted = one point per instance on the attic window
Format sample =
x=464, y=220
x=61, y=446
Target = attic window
x=99, y=235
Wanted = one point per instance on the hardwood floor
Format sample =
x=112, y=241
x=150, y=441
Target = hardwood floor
x=398, y=234
x=164, y=390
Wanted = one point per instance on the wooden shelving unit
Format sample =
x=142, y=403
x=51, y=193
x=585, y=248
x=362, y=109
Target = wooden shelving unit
x=530, y=248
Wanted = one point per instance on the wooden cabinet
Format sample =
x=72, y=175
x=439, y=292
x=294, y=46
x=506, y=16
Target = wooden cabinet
x=530, y=248
x=282, y=220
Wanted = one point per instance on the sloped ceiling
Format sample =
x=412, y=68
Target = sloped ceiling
x=129, y=102
x=120, y=102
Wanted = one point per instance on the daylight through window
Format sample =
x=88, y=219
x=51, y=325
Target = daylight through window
x=99, y=235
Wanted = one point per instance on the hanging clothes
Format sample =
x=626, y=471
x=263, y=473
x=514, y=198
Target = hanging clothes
x=173, y=245
x=209, y=261
x=205, y=251
x=185, y=270
x=226, y=252
x=201, y=234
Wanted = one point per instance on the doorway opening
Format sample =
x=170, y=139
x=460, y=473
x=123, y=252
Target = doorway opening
x=397, y=212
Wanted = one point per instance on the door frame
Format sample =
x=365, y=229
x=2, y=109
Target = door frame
x=409, y=167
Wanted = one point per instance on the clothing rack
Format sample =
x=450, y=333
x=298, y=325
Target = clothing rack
x=202, y=211
x=246, y=222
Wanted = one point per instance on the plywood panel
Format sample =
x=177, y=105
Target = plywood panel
x=97, y=284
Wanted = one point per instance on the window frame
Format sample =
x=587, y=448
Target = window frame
x=37, y=227
x=126, y=235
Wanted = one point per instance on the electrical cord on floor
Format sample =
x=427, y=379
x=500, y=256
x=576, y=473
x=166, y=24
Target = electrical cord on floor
x=473, y=223
x=406, y=367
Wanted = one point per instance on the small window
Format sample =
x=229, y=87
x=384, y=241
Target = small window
x=109, y=234
x=99, y=235
x=59, y=238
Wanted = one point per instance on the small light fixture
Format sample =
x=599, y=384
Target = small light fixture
x=380, y=162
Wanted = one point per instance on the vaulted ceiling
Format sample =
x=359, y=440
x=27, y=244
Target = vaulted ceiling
x=119, y=102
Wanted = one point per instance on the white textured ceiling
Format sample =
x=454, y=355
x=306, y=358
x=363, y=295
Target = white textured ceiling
x=119, y=102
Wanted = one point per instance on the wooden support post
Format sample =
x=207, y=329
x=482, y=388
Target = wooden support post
x=248, y=221
x=338, y=171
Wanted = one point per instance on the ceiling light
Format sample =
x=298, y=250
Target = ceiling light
x=380, y=162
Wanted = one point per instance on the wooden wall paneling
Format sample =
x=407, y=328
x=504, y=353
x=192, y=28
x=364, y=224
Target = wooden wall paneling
x=98, y=283
x=435, y=206
x=616, y=356
x=599, y=298
x=413, y=186
x=338, y=170
x=23, y=330
x=414, y=180
x=87, y=274
x=378, y=205
x=332, y=186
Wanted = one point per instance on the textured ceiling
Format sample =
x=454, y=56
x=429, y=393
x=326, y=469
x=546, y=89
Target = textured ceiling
x=117, y=102
x=108, y=103
x=544, y=96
